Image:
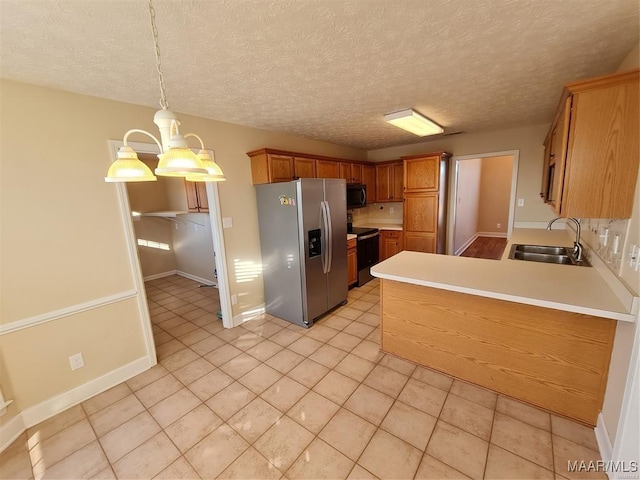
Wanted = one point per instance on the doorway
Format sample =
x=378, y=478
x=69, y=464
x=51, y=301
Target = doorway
x=482, y=204
x=214, y=224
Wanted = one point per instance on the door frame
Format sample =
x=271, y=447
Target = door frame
x=453, y=188
x=215, y=218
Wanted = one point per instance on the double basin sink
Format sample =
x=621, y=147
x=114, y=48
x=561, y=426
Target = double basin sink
x=546, y=254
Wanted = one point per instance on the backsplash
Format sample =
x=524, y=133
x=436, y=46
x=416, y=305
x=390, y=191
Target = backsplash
x=606, y=238
x=388, y=212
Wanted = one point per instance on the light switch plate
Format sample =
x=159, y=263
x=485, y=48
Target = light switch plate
x=227, y=222
x=521, y=202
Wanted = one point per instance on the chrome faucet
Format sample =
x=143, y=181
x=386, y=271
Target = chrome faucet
x=577, y=246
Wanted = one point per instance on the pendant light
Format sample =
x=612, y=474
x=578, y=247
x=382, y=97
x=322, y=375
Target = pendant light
x=176, y=158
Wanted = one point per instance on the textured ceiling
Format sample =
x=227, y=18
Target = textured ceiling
x=324, y=69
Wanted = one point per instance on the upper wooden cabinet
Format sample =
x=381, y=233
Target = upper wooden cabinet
x=327, y=169
x=389, y=181
x=422, y=173
x=591, y=150
x=196, y=196
x=271, y=166
x=369, y=179
x=304, y=168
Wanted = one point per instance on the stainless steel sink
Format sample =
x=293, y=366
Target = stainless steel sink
x=546, y=254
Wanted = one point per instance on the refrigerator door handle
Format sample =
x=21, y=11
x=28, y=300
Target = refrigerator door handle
x=330, y=231
x=325, y=236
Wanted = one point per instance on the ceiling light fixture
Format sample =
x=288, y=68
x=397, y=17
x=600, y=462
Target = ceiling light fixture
x=176, y=158
x=413, y=122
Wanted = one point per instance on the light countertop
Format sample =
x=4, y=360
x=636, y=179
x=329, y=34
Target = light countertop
x=562, y=287
x=380, y=225
x=351, y=236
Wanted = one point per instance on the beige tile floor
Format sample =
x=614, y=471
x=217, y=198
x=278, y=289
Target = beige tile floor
x=272, y=400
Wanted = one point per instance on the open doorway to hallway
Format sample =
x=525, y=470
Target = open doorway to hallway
x=483, y=198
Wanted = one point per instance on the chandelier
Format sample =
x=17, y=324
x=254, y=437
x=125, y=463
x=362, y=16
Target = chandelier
x=175, y=159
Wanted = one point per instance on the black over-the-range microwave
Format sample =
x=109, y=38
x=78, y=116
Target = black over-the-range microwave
x=356, y=195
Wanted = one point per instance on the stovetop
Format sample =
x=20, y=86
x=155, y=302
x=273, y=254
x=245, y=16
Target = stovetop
x=360, y=231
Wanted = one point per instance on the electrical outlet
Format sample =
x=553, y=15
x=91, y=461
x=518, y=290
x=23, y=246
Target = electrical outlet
x=521, y=202
x=227, y=222
x=76, y=361
x=633, y=256
x=615, y=248
x=392, y=210
x=234, y=299
x=498, y=225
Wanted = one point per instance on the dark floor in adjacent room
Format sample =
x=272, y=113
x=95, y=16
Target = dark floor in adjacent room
x=491, y=248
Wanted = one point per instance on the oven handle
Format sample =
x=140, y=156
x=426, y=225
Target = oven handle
x=371, y=235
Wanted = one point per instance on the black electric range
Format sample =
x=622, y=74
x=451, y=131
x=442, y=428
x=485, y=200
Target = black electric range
x=368, y=247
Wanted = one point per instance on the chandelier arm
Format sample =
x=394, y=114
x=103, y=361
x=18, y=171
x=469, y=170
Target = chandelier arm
x=194, y=135
x=154, y=30
x=137, y=130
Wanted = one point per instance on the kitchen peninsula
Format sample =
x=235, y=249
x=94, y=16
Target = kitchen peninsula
x=540, y=333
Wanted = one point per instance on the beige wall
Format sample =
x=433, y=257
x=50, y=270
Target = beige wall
x=495, y=194
x=467, y=202
x=145, y=197
x=193, y=246
x=63, y=241
x=528, y=140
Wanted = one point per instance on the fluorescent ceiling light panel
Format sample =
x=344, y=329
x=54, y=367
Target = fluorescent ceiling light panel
x=413, y=122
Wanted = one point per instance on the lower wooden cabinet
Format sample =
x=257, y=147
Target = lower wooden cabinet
x=352, y=261
x=420, y=242
x=391, y=242
x=196, y=196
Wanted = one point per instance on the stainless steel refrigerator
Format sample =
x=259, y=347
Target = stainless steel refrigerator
x=303, y=238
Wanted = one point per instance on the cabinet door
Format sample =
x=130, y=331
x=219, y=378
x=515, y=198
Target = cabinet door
x=383, y=183
x=420, y=213
x=420, y=242
x=345, y=171
x=356, y=173
x=397, y=187
x=602, y=157
x=304, y=168
x=390, y=243
x=369, y=179
x=190, y=189
x=352, y=266
x=201, y=191
x=422, y=174
x=327, y=169
x=280, y=168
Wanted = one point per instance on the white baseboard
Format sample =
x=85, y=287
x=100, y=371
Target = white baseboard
x=11, y=430
x=492, y=234
x=196, y=278
x=602, y=438
x=58, y=403
x=248, y=315
x=160, y=275
x=466, y=245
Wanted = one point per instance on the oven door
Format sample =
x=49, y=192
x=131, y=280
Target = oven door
x=368, y=255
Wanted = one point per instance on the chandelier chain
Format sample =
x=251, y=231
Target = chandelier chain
x=154, y=29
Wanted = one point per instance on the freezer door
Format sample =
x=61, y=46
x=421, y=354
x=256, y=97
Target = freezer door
x=280, y=246
x=335, y=192
x=312, y=225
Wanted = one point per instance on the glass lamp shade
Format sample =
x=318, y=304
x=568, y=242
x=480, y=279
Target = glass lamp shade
x=214, y=172
x=179, y=162
x=128, y=168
